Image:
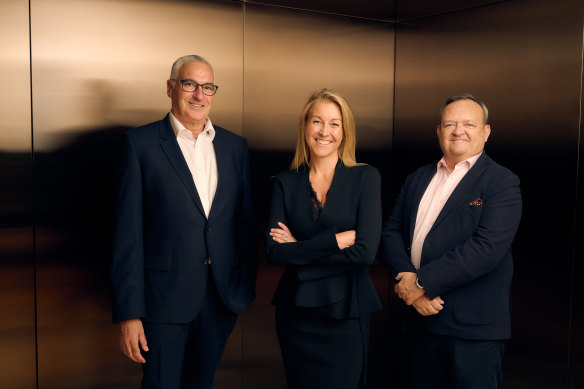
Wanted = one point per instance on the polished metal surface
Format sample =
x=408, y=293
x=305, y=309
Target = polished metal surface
x=523, y=58
x=17, y=327
x=99, y=67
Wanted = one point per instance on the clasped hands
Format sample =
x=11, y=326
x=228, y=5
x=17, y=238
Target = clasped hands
x=283, y=235
x=415, y=296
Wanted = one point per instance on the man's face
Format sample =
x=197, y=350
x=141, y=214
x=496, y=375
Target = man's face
x=462, y=132
x=191, y=108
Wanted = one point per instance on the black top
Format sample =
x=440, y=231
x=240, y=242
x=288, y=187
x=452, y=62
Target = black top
x=318, y=274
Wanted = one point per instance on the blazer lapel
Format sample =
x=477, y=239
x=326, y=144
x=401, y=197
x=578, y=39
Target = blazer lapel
x=463, y=187
x=170, y=147
x=422, y=185
x=220, y=149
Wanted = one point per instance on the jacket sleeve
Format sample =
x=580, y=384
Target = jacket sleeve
x=489, y=243
x=395, y=236
x=294, y=253
x=368, y=230
x=128, y=257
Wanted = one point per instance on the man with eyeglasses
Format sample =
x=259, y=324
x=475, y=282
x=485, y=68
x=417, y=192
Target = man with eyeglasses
x=184, y=264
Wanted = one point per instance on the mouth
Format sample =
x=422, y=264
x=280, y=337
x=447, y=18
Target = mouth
x=323, y=142
x=196, y=105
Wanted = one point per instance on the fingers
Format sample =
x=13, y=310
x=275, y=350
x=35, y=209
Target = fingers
x=131, y=335
x=283, y=226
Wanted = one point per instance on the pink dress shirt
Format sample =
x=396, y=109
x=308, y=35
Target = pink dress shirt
x=436, y=195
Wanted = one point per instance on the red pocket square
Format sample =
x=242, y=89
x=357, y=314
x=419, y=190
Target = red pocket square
x=478, y=201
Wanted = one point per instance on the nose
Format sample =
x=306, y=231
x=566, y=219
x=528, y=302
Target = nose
x=198, y=93
x=458, y=129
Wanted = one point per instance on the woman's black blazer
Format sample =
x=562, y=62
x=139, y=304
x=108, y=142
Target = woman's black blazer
x=318, y=273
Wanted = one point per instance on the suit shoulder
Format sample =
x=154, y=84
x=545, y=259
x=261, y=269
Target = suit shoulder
x=364, y=172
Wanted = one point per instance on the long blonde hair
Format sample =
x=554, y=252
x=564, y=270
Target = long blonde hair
x=346, y=149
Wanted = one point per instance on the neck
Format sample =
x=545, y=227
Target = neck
x=323, y=166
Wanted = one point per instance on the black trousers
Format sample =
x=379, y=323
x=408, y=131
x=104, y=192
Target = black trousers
x=185, y=356
x=445, y=362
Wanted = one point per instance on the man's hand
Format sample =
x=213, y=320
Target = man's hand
x=131, y=335
x=427, y=307
x=406, y=287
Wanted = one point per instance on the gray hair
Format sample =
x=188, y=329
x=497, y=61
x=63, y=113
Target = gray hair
x=467, y=96
x=187, y=58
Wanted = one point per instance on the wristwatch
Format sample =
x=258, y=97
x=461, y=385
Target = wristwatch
x=418, y=283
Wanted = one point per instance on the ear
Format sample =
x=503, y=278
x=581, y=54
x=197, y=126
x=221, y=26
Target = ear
x=487, y=130
x=438, y=128
x=169, y=88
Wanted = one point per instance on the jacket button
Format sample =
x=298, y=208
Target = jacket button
x=207, y=261
x=209, y=229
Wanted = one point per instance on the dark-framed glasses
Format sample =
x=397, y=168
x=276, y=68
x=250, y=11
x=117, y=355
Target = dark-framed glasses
x=208, y=88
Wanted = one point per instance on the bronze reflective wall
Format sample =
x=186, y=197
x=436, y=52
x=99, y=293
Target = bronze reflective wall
x=289, y=54
x=17, y=304
x=98, y=68
x=524, y=59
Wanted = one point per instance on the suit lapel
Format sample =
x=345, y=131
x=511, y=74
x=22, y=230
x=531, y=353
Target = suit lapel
x=463, y=187
x=220, y=149
x=422, y=185
x=170, y=147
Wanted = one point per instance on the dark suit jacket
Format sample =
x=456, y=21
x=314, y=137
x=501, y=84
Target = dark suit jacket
x=466, y=256
x=318, y=273
x=162, y=235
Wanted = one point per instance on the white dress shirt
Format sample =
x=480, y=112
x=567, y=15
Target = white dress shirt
x=200, y=157
x=436, y=195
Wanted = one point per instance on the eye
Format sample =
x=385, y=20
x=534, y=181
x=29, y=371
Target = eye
x=209, y=87
x=188, y=83
x=469, y=124
x=335, y=124
x=315, y=121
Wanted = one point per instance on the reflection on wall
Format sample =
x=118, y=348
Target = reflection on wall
x=524, y=60
x=99, y=68
x=17, y=327
x=290, y=54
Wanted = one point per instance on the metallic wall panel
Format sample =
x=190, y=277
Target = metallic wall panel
x=415, y=9
x=17, y=327
x=100, y=67
x=371, y=9
x=523, y=58
x=289, y=54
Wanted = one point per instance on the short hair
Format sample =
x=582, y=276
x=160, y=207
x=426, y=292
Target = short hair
x=187, y=58
x=346, y=149
x=466, y=96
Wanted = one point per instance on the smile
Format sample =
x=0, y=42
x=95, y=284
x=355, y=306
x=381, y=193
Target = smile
x=197, y=105
x=323, y=142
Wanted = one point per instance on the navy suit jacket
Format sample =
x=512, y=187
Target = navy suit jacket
x=162, y=236
x=317, y=272
x=466, y=256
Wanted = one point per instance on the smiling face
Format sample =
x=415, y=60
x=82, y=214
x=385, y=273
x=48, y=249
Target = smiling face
x=462, y=132
x=191, y=108
x=324, y=130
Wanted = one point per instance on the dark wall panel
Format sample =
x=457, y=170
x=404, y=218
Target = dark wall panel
x=523, y=58
x=289, y=54
x=17, y=327
x=99, y=68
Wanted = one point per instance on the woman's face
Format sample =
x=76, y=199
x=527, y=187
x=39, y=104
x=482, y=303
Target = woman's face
x=324, y=130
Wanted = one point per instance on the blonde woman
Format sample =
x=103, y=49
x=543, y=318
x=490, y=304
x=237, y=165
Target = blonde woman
x=324, y=227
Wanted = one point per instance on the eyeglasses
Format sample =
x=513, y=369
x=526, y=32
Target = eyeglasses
x=208, y=88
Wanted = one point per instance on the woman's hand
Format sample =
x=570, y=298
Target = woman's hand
x=282, y=234
x=346, y=239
